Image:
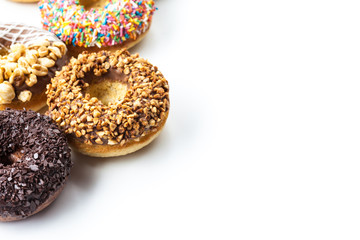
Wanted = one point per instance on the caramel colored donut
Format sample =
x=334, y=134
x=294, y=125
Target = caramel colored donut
x=109, y=104
x=34, y=163
x=29, y=57
x=95, y=25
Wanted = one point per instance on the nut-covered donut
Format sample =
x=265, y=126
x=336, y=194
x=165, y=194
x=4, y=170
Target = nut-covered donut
x=95, y=25
x=109, y=104
x=34, y=163
x=29, y=57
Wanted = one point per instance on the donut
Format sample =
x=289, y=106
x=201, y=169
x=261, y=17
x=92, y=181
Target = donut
x=109, y=103
x=34, y=163
x=95, y=25
x=29, y=57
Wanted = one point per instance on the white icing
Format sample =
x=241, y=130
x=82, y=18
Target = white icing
x=24, y=34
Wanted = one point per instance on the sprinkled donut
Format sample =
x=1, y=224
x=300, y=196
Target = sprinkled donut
x=34, y=163
x=29, y=57
x=94, y=24
x=109, y=104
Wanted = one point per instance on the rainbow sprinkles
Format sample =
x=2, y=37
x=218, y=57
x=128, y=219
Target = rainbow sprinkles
x=117, y=22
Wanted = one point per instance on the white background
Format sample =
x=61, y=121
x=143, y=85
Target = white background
x=263, y=137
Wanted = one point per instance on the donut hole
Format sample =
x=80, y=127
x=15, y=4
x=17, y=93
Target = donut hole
x=89, y=4
x=107, y=91
x=11, y=158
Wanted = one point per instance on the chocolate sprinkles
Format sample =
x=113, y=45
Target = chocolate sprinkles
x=34, y=162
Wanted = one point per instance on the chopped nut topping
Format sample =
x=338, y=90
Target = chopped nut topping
x=96, y=114
x=25, y=96
x=31, y=81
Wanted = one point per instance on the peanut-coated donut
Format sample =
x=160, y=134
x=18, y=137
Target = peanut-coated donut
x=29, y=57
x=109, y=104
x=34, y=163
x=95, y=25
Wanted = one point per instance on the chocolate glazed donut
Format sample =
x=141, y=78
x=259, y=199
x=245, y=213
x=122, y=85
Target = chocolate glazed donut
x=109, y=104
x=34, y=163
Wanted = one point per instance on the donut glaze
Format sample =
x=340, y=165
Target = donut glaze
x=118, y=23
x=34, y=163
x=103, y=126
